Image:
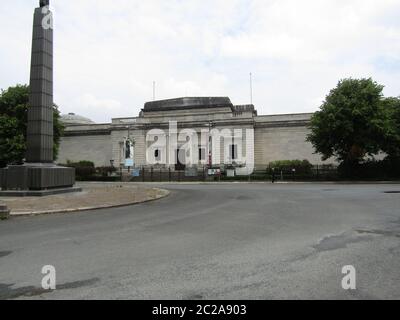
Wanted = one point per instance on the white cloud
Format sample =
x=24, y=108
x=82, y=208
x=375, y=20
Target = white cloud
x=107, y=54
x=90, y=101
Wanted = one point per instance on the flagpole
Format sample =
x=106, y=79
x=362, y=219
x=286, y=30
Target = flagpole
x=251, y=88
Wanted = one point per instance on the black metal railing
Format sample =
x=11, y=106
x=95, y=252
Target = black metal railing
x=159, y=174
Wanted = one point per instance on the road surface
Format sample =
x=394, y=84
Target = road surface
x=214, y=241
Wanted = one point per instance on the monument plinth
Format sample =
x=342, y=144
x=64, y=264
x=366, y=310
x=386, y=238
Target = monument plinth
x=39, y=175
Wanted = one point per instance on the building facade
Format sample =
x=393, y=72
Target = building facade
x=178, y=133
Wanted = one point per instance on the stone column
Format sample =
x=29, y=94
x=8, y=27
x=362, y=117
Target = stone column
x=39, y=176
x=40, y=111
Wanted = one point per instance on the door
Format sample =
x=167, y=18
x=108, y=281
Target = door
x=179, y=166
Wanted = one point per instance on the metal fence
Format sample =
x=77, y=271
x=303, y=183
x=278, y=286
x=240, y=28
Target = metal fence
x=156, y=174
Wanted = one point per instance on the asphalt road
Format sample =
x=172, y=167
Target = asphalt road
x=226, y=241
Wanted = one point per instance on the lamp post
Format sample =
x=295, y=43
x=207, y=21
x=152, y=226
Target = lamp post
x=210, y=125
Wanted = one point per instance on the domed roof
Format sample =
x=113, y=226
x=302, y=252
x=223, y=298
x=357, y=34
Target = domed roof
x=72, y=118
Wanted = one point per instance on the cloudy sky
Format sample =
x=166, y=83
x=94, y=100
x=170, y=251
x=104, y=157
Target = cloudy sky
x=108, y=53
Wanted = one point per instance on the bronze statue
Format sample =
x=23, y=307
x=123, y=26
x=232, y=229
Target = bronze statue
x=44, y=3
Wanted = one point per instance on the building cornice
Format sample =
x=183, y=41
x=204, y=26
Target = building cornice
x=282, y=124
x=88, y=132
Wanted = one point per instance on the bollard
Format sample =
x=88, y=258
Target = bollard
x=4, y=212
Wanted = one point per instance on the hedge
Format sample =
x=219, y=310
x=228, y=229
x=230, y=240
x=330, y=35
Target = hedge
x=301, y=166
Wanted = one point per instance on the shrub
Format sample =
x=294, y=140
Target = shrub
x=105, y=171
x=98, y=178
x=83, y=163
x=83, y=169
x=387, y=169
x=301, y=166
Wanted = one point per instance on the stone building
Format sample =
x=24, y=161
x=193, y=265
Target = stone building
x=261, y=138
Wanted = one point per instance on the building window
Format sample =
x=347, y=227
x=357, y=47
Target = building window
x=157, y=155
x=233, y=152
x=202, y=154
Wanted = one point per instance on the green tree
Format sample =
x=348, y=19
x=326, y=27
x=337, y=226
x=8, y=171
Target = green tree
x=391, y=142
x=13, y=124
x=351, y=122
x=12, y=141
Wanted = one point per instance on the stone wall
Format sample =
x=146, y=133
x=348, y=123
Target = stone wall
x=276, y=137
x=283, y=137
x=96, y=148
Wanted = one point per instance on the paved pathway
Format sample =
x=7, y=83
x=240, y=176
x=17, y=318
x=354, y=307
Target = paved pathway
x=214, y=241
x=93, y=196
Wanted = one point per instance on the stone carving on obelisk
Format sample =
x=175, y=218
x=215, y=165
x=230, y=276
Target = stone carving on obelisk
x=39, y=175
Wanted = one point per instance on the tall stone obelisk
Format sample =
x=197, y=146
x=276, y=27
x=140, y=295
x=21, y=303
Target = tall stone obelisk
x=40, y=112
x=39, y=176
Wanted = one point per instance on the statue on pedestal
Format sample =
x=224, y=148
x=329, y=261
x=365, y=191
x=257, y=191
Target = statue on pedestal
x=44, y=3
